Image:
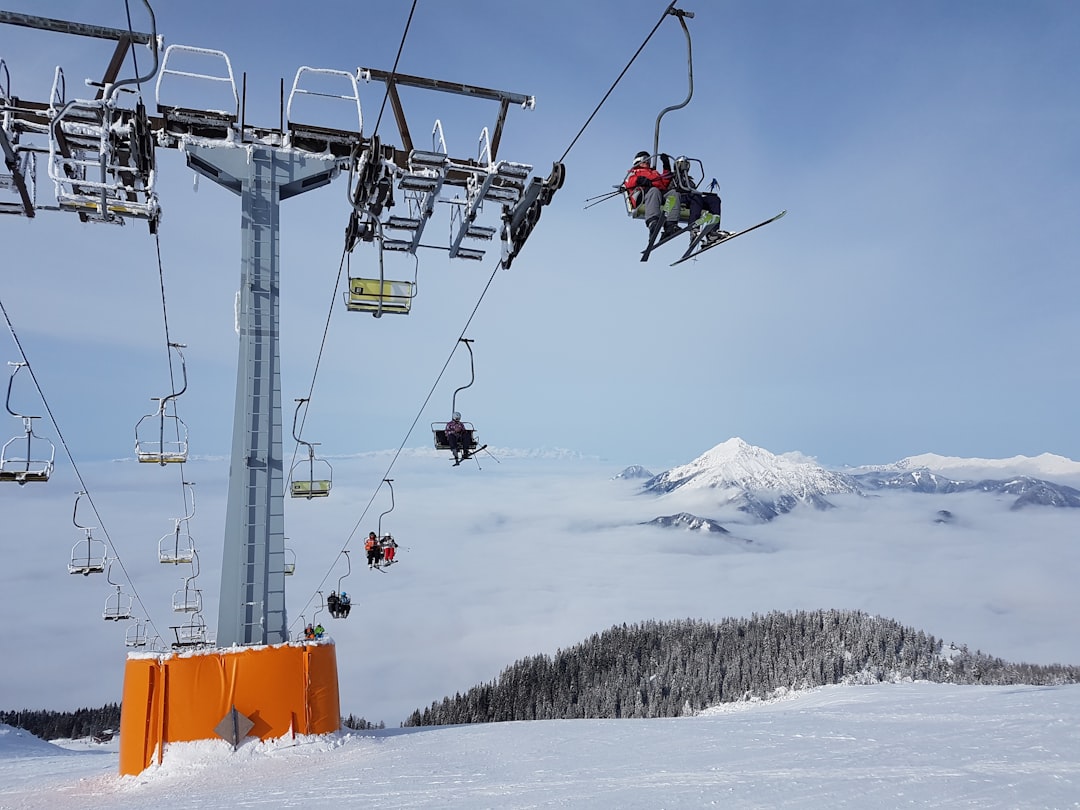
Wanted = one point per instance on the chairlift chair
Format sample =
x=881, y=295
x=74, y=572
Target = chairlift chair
x=135, y=635
x=290, y=562
x=88, y=556
x=187, y=599
x=191, y=119
x=163, y=439
x=178, y=546
x=17, y=456
x=118, y=605
x=311, y=477
x=438, y=429
x=313, y=138
x=370, y=180
x=337, y=612
x=191, y=634
x=686, y=176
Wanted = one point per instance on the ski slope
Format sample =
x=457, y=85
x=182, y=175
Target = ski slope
x=883, y=746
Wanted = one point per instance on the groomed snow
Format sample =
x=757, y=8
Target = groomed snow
x=890, y=745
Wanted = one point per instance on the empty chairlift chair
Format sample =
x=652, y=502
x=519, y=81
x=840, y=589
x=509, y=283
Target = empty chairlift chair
x=178, y=546
x=162, y=437
x=311, y=477
x=215, y=115
x=26, y=457
x=118, y=605
x=88, y=556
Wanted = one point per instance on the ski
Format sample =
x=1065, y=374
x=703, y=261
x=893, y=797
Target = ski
x=691, y=253
x=467, y=456
x=655, y=241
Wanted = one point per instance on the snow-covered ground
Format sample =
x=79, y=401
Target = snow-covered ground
x=883, y=746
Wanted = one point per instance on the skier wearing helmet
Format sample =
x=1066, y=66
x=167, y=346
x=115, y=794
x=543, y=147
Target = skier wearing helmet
x=644, y=185
x=457, y=436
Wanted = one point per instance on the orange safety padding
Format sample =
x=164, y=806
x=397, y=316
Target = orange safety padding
x=283, y=689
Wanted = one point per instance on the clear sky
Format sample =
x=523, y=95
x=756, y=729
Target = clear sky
x=920, y=295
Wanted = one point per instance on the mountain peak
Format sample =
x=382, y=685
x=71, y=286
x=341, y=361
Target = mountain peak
x=743, y=471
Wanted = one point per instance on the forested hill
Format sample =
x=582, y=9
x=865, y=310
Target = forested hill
x=53, y=725
x=668, y=669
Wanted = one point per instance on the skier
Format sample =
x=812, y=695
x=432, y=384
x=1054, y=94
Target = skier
x=457, y=436
x=333, y=604
x=389, y=544
x=645, y=185
x=704, y=205
x=371, y=546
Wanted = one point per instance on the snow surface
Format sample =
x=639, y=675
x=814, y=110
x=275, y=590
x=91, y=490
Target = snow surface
x=882, y=746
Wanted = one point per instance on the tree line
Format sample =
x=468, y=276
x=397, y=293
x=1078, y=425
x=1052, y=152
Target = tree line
x=675, y=668
x=52, y=725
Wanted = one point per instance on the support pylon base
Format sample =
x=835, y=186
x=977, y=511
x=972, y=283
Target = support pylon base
x=284, y=689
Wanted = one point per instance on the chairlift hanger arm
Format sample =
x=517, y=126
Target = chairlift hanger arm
x=472, y=373
x=390, y=483
x=681, y=16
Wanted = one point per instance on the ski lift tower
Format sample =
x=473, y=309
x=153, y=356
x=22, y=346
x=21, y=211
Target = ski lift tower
x=263, y=168
x=101, y=159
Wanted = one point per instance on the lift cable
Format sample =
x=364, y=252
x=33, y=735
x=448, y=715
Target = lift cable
x=318, y=356
x=408, y=434
x=427, y=399
x=344, y=253
x=75, y=467
x=389, y=81
x=611, y=89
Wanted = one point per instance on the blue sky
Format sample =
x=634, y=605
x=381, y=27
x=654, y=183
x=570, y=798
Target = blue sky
x=919, y=296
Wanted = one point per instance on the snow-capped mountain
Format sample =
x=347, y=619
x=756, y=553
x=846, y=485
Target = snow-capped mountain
x=1028, y=491
x=765, y=485
x=632, y=472
x=684, y=520
x=758, y=482
x=1046, y=466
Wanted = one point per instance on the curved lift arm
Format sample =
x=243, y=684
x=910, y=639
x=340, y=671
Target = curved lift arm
x=472, y=374
x=11, y=382
x=390, y=483
x=348, y=562
x=681, y=16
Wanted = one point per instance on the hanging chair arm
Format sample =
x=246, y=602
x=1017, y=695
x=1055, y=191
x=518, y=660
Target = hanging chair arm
x=681, y=16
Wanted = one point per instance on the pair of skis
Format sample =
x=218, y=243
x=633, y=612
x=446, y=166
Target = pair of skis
x=467, y=456
x=700, y=244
